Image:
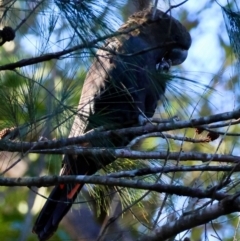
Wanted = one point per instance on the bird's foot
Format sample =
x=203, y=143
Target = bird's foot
x=143, y=120
x=164, y=65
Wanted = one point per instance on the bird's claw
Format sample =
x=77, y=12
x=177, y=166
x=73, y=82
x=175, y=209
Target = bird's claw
x=164, y=65
x=142, y=120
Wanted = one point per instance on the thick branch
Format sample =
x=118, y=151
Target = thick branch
x=196, y=218
x=6, y=145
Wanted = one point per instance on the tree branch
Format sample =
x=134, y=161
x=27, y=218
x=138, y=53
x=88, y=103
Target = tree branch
x=196, y=218
x=51, y=180
x=6, y=145
x=126, y=153
x=167, y=169
x=46, y=181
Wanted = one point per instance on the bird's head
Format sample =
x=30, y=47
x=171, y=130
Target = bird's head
x=166, y=38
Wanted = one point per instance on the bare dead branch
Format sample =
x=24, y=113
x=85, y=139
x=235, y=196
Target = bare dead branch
x=196, y=218
x=7, y=145
x=169, y=169
x=46, y=181
x=126, y=153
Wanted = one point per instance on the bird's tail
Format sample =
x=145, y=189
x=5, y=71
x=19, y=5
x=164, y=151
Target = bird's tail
x=60, y=200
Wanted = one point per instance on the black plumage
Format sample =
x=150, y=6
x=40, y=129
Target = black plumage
x=120, y=88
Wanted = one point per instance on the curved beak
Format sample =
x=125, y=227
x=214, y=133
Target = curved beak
x=177, y=56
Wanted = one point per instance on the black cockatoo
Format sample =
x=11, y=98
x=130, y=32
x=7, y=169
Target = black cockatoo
x=119, y=89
